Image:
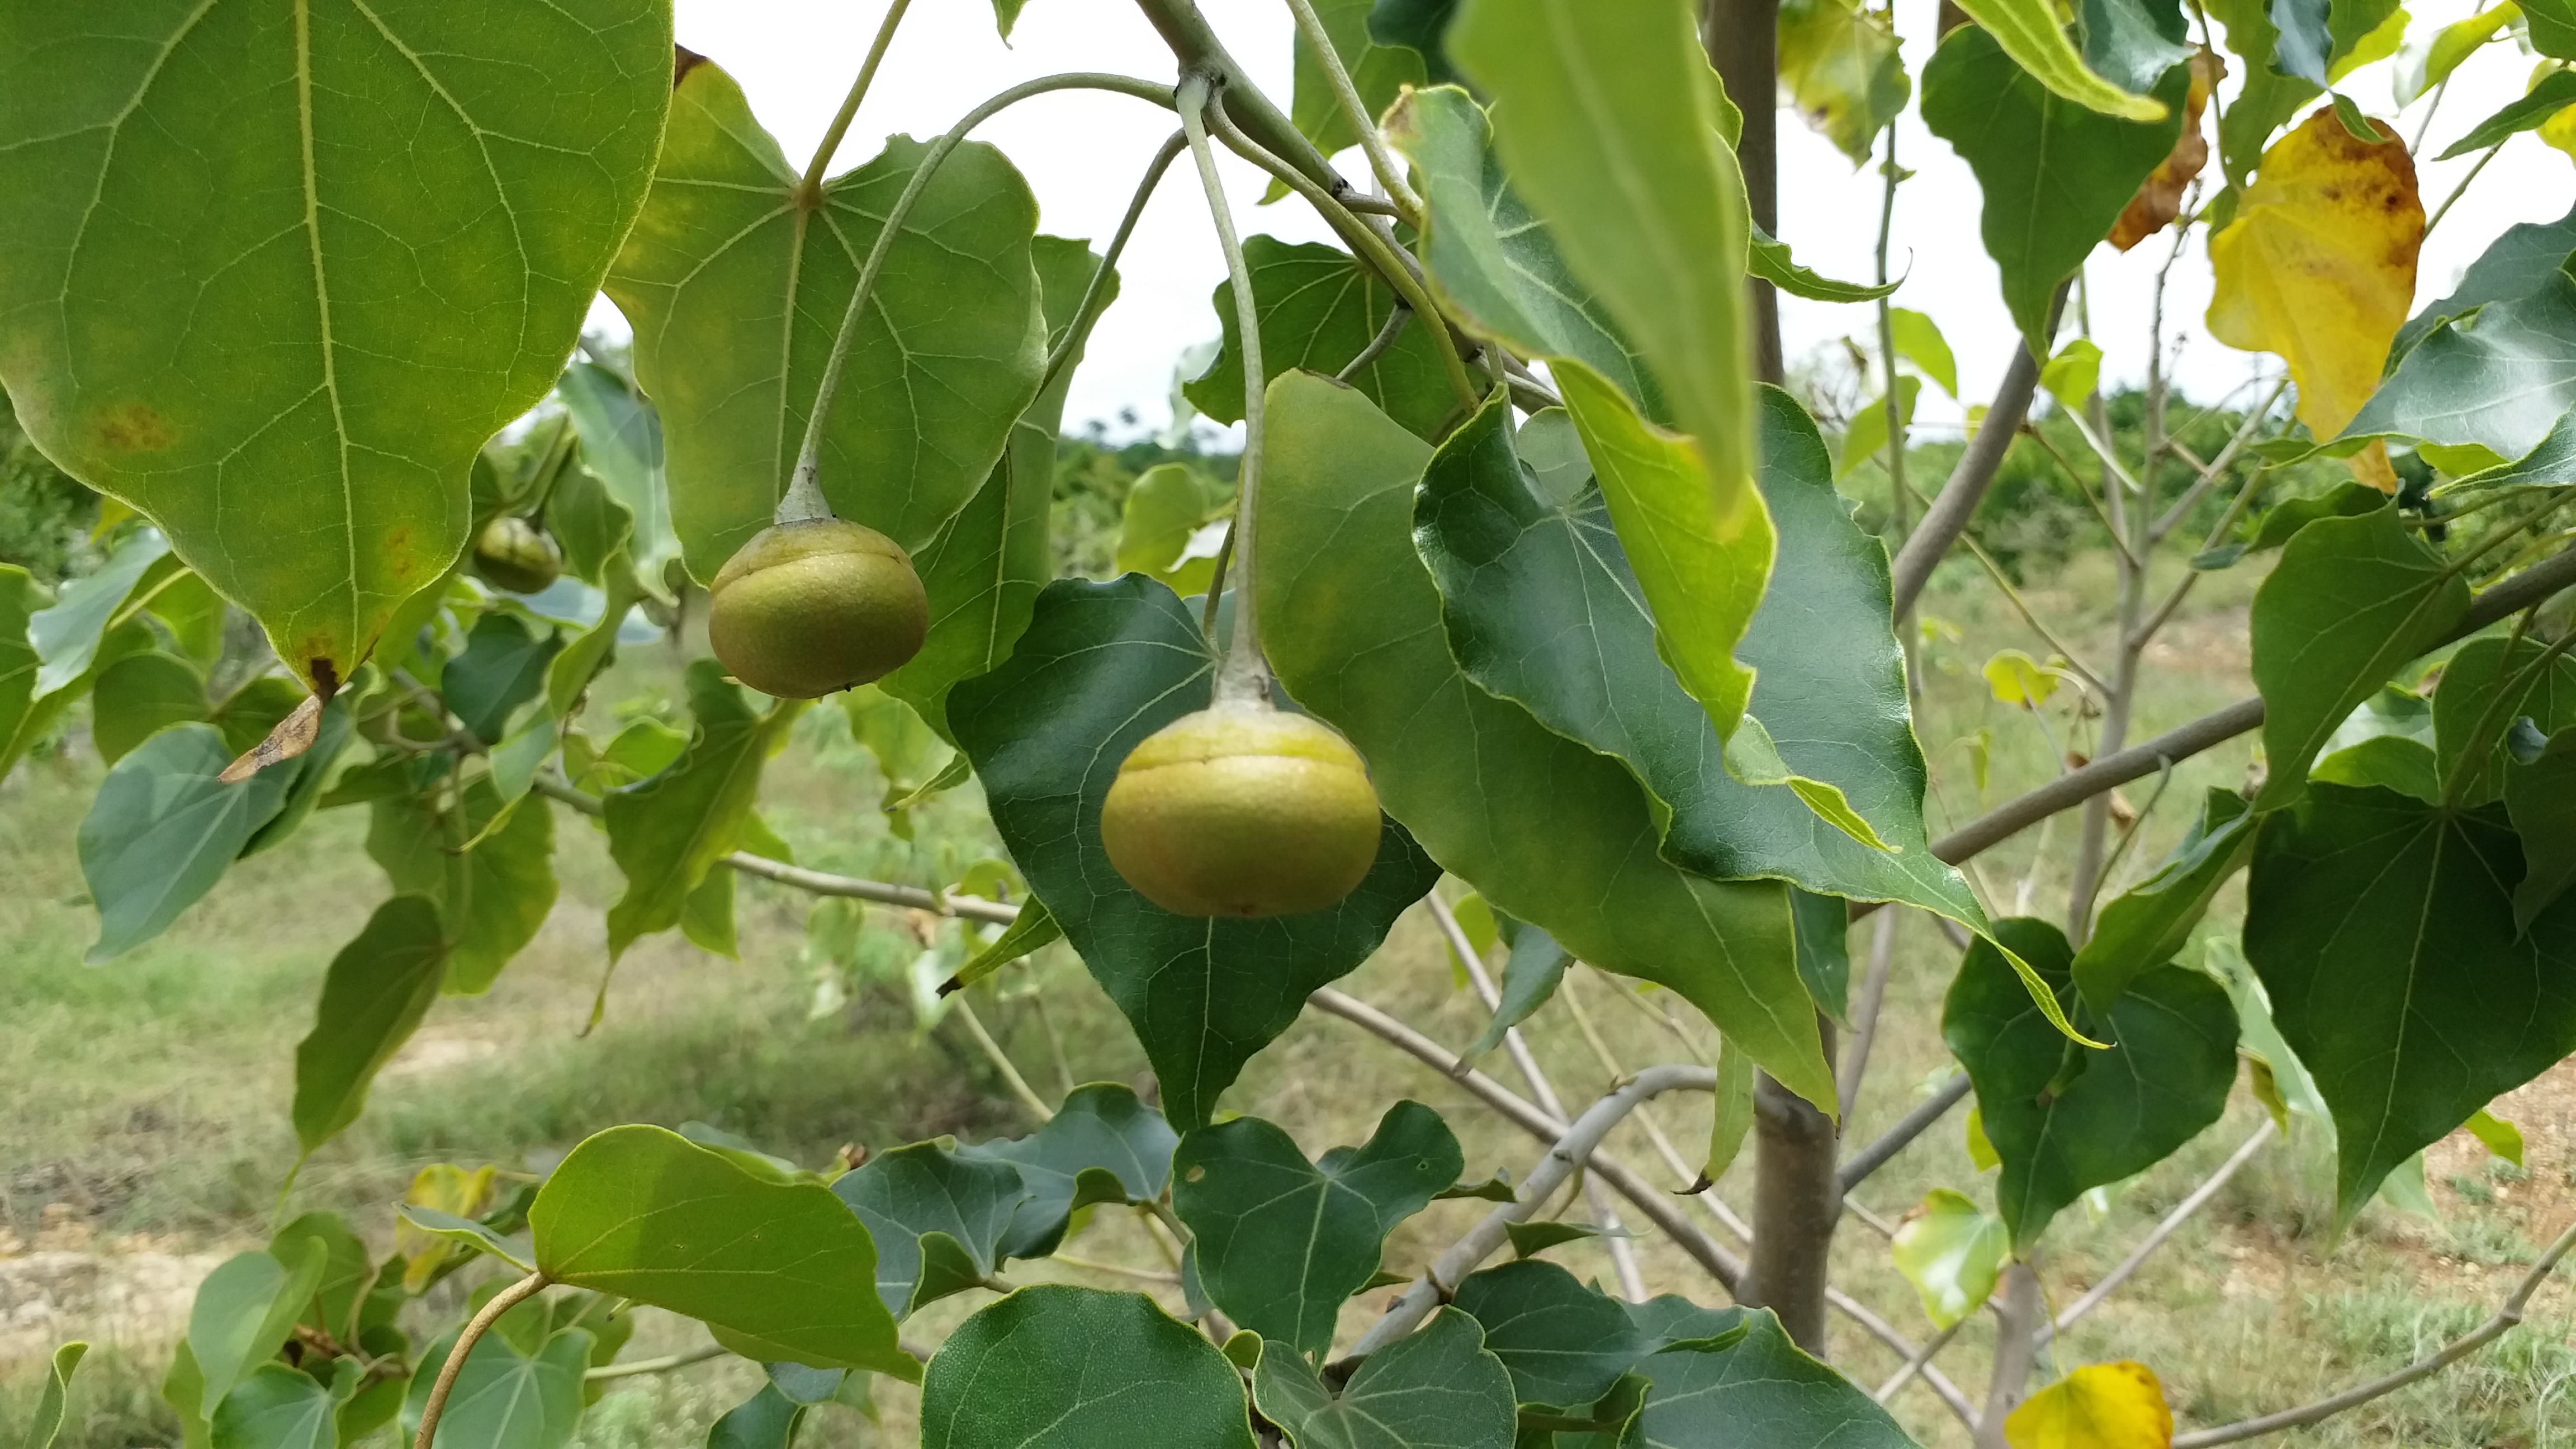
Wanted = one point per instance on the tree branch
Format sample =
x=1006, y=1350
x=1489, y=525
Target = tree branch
x=1948, y=515
x=2198, y=1199
x=1895, y=1140
x=2506, y=1316
x=1569, y=1153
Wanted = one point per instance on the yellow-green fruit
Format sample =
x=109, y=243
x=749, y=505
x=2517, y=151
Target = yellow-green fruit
x=1242, y=810
x=513, y=554
x=807, y=608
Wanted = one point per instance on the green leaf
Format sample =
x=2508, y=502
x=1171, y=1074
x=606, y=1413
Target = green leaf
x=1952, y=1251
x=1055, y=1367
x=1031, y=930
x=1564, y=1343
x=912, y=1192
x=1839, y=64
x=1512, y=568
x=2552, y=27
x=492, y=879
x=1377, y=71
x=2500, y=1137
x=2499, y=377
x=462, y=1230
x=1280, y=1242
x=2540, y=799
x=1919, y=341
x=2132, y=43
x=51, y=1402
x=324, y=352
x=766, y=1420
x=375, y=994
x=2351, y=600
x=2055, y=172
x=984, y=568
x=2384, y=932
x=2268, y=99
x=2553, y=93
x=641, y=1213
x=2030, y=32
x=1731, y=1118
x=1547, y=830
x=66, y=634
x=277, y=1407
x=163, y=828
x=243, y=1313
x=2283, y=520
x=502, y=666
x=2074, y=374
x=1167, y=506
x=1768, y=257
x=1824, y=950
x=1607, y=118
x=182, y=1388
x=338, y=1303
x=1434, y=1388
x=2391, y=761
x=1102, y=1145
x=1101, y=667
x=507, y=1395
x=1760, y=1392
x=621, y=442
x=25, y=712
x=667, y=832
x=1421, y=25
x=1865, y=436
x=141, y=695
x=2065, y=1118
x=2149, y=923
x=1490, y=257
x=1319, y=309
x=1530, y=977
x=2550, y=464
x=2486, y=686
x=736, y=291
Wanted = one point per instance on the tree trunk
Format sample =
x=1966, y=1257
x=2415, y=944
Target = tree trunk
x=1796, y=1201
x=1743, y=39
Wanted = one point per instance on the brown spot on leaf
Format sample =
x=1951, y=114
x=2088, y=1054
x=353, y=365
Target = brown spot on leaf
x=132, y=428
x=293, y=736
x=683, y=61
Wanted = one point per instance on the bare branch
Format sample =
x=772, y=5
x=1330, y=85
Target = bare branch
x=2198, y=1199
x=1948, y=515
x=1895, y=1140
x=1864, y=1014
x=2506, y=1316
x=1570, y=1152
x=1921, y=1360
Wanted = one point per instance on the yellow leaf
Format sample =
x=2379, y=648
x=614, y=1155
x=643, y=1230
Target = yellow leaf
x=449, y=1189
x=2319, y=265
x=2099, y=1406
x=2073, y=374
x=2018, y=679
x=1981, y=1148
x=2379, y=44
x=2559, y=131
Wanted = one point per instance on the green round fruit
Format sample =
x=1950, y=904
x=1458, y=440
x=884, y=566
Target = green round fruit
x=1242, y=810
x=811, y=607
x=513, y=555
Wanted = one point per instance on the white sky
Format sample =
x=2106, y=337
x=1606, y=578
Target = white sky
x=1082, y=151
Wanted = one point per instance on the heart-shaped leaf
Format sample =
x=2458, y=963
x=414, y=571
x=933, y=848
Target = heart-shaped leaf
x=1434, y=1388
x=1054, y=1367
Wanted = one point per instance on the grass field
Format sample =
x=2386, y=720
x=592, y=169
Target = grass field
x=145, y=1132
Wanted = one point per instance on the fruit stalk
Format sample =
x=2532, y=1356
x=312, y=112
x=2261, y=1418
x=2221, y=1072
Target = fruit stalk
x=1242, y=675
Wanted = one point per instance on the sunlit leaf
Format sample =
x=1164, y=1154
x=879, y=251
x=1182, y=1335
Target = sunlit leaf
x=1919, y=341
x=2099, y=1406
x=51, y=1400
x=243, y=1311
x=1952, y=1251
x=1839, y=64
x=2499, y=377
x=2499, y=1136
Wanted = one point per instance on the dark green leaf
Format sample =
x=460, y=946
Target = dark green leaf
x=2524, y=258
x=378, y=989
x=277, y=1407
x=1563, y=1342
x=1434, y=1388
x=736, y=291
x=985, y=566
x=2132, y=43
x=1547, y=830
x=1512, y=567
x=507, y=1396
x=2147, y=925
x=1100, y=1132
x=641, y=1213
x=502, y=666
x=2269, y=97
x=1531, y=1239
x=25, y=711
x=1319, y=309
x=1768, y=258
x=2486, y=686
x=1280, y=1242
x=766, y=1420
x=244, y=1311
x=2500, y=377
x=1420, y=24
x=141, y=695
x=2055, y=174
x=669, y=831
x=337, y=1306
x=2066, y=1118
x=2391, y=761
x=1824, y=949
x=2553, y=93
x=2552, y=27
x=353, y=332
x=1101, y=667
x=2384, y=932
x=2351, y=600
x=1760, y=1392
x=51, y=1401
x=1377, y=70
x=1493, y=259
x=492, y=886
x=2540, y=798
x=1055, y=1367
x=163, y=828
x=2283, y=520
x=1033, y=929
x=1530, y=977
x=910, y=1192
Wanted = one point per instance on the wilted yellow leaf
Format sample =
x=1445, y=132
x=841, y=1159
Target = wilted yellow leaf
x=2159, y=198
x=449, y=1189
x=2319, y=265
x=2099, y=1406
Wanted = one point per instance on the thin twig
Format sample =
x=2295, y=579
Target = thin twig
x=1378, y=345
x=809, y=191
x=1864, y=1015
x=2216, y=468
x=1948, y=515
x=1921, y=1359
x=2506, y=1316
x=1000, y=1059
x=2002, y=581
x=1085, y=315
x=1894, y=1140
x=502, y=1302
x=662, y=1365
x=2173, y=1220
x=2457, y=191
x=1241, y=675
x=1372, y=141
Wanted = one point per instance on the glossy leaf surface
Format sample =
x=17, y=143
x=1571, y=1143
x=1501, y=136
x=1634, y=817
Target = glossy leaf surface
x=1053, y=1367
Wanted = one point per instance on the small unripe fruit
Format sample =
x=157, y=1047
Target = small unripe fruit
x=1242, y=810
x=810, y=607
x=511, y=553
